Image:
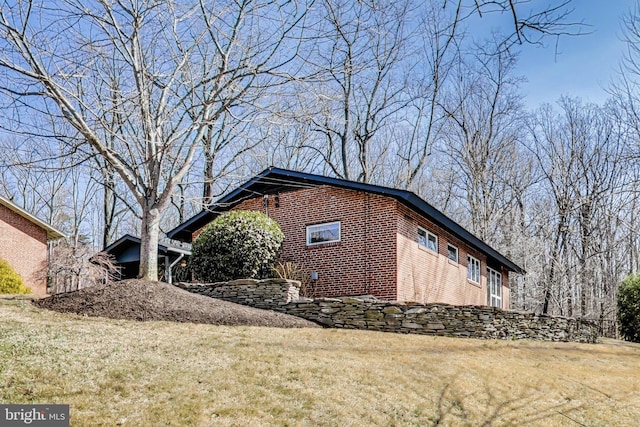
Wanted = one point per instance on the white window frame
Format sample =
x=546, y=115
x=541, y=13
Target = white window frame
x=426, y=242
x=473, y=269
x=449, y=247
x=319, y=228
x=494, y=283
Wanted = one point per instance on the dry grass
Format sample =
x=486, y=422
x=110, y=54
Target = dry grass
x=119, y=372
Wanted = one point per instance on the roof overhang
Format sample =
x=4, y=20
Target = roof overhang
x=275, y=180
x=52, y=233
x=128, y=241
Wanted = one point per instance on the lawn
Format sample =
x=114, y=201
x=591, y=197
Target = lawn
x=119, y=372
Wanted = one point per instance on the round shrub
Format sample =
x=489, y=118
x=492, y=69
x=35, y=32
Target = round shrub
x=236, y=245
x=629, y=308
x=10, y=281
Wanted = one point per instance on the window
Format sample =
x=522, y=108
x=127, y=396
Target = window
x=452, y=253
x=427, y=239
x=473, y=269
x=494, y=280
x=323, y=233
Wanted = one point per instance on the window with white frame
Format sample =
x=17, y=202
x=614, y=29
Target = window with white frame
x=323, y=233
x=427, y=239
x=494, y=281
x=473, y=269
x=452, y=252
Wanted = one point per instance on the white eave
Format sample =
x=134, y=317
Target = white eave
x=52, y=233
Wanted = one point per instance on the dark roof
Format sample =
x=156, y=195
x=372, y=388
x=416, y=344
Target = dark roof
x=127, y=247
x=275, y=180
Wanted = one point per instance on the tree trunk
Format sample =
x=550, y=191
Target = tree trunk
x=209, y=159
x=108, y=207
x=149, y=244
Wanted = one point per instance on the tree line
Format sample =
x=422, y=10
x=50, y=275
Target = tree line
x=129, y=116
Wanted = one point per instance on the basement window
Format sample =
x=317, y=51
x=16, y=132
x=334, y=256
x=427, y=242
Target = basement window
x=319, y=234
x=427, y=239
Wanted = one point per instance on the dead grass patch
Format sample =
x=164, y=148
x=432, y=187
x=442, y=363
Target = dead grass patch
x=119, y=372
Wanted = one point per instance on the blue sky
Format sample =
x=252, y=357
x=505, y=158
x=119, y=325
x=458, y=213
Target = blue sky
x=581, y=66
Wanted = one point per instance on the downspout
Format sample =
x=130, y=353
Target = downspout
x=169, y=270
x=367, y=251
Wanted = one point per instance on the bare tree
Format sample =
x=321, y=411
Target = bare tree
x=374, y=81
x=75, y=265
x=443, y=35
x=580, y=156
x=357, y=82
x=485, y=118
x=141, y=82
x=532, y=23
x=440, y=35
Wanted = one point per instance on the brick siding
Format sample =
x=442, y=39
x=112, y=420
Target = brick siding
x=378, y=253
x=24, y=245
x=427, y=277
x=363, y=262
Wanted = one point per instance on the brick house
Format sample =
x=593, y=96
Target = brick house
x=363, y=239
x=24, y=244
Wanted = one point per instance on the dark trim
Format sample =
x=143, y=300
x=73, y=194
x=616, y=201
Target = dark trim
x=128, y=238
x=275, y=180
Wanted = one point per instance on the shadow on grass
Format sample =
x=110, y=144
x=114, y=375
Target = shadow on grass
x=455, y=407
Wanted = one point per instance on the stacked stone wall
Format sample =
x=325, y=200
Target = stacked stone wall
x=269, y=294
x=427, y=319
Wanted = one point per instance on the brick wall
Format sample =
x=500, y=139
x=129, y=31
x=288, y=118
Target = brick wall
x=24, y=245
x=363, y=262
x=378, y=253
x=428, y=277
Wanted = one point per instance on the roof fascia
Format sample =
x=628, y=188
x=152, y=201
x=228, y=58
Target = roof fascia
x=202, y=215
x=408, y=198
x=137, y=241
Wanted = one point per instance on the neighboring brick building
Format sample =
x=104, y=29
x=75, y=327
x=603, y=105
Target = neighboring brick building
x=362, y=239
x=23, y=243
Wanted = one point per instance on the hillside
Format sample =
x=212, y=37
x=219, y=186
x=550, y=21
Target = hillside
x=143, y=300
x=121, y=372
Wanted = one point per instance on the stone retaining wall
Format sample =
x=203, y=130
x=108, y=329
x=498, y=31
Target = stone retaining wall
x=269, y=294
x=427, y=319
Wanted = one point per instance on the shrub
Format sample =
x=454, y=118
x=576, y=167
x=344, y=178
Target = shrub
x=10, y=281
x=236, y=245
x=629, y=308
x=75, y=265
x=291, y=271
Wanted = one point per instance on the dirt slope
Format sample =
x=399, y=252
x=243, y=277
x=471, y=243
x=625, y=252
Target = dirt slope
x=143, y=300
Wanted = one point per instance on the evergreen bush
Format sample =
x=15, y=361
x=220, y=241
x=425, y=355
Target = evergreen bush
x=629, y=308
x=236, y=245
x=10, y=281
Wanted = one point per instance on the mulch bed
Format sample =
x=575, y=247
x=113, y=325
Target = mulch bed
x=143, y=300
